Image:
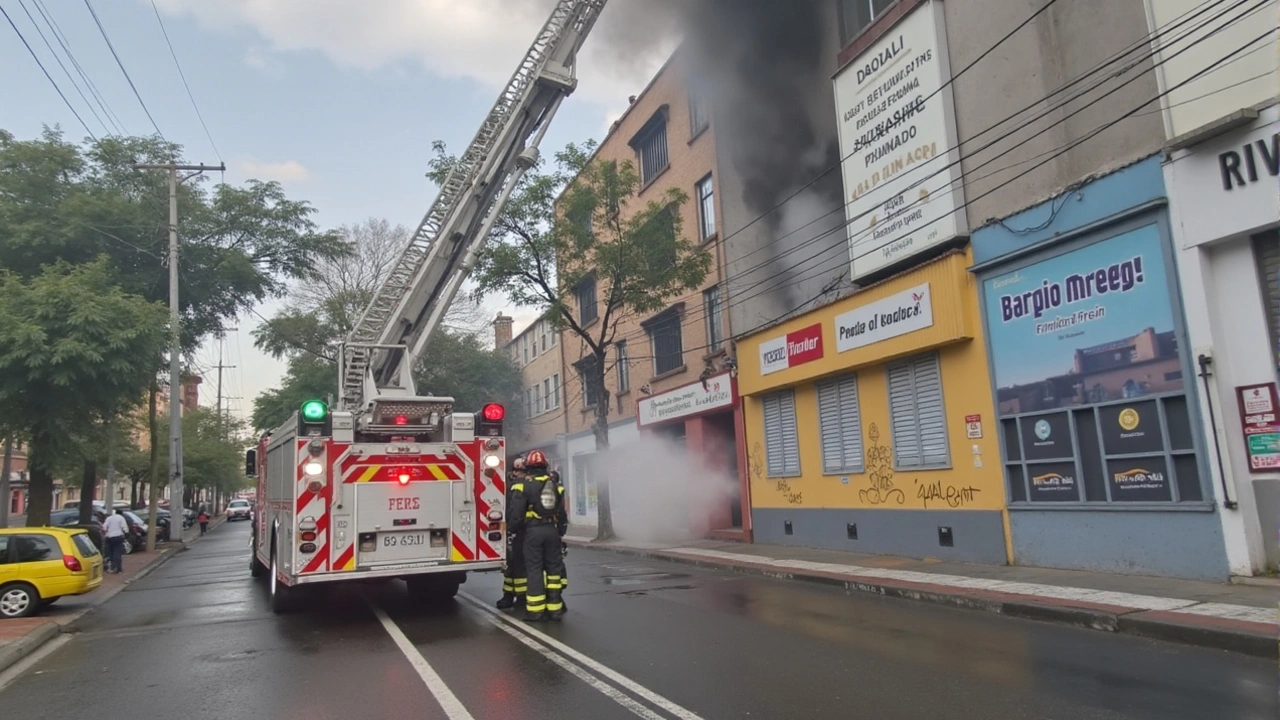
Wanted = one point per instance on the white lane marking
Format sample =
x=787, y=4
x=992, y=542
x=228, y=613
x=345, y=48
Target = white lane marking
x=599, y=668
x=452, y=706
x=605, y=689
x=1105, y=597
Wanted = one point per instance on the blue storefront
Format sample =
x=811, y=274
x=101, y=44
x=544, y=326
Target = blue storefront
x=1094, y=384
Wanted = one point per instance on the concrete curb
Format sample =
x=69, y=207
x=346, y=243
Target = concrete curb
x=1220, y=634
x=27, y=644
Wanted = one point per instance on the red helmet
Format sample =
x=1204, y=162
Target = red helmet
x=535, y=459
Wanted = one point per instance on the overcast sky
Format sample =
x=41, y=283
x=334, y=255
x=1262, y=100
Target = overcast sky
x=339, y=100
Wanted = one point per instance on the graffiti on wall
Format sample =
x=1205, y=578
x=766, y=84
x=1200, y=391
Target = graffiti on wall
x=880, y=472
x=954, y=496
x=755, y=466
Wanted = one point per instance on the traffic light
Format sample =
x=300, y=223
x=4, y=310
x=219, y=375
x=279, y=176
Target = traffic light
x=314, y=419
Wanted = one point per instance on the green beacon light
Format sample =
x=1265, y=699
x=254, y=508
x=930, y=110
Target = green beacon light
x=314, y=410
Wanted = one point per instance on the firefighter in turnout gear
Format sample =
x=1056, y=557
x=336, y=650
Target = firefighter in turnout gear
x=537, y=502
x=514, y=580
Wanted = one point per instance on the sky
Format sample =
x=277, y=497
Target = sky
x=339, y=100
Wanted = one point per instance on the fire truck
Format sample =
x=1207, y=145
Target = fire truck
x=391, y=483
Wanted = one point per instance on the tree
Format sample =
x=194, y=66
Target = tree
x=212, y=457
x=241, y=245
x=322, y=311
x=579, y=222
x=74, y=350
x=461, y=366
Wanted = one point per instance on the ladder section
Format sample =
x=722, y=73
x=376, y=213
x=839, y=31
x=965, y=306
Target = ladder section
x=436, y=251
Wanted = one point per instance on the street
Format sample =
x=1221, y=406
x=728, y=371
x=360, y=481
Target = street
x=642, y=638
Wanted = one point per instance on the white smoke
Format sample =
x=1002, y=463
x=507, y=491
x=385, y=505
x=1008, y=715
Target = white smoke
x=662, y=493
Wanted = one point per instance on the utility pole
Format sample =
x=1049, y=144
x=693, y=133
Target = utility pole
x=222, y=432
x=175, y=346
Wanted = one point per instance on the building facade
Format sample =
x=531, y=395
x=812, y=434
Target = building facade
x=667, y=133
x=1221, y=167
x=536, y=351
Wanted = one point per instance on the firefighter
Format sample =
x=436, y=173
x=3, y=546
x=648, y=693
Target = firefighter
x=514, y=580
x=538, y=502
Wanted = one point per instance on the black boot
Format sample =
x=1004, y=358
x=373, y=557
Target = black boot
x=554, y=600
x=507, y=602
x=534, y=616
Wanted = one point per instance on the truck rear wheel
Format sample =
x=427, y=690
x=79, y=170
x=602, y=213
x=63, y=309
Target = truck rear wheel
x=435, y=589
x=281, y=596
x=256, y=568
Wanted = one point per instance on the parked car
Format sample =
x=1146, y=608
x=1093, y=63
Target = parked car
x=40, y=565
x=71, y=519
x=239, y=510
x=162, y=523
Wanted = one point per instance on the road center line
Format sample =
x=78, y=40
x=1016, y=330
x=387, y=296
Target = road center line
x=605, y=689
x=599, y=668
x=452, y=706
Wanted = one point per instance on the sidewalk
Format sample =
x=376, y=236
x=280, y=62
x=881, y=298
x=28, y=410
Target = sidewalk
x=1240, y=618
x=23, y=636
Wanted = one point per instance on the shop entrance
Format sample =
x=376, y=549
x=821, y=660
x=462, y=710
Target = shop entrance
x=722, y=441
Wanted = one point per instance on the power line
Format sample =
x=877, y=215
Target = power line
x=184, y=81
x=1064, y=149
x=738, y=299
x=46, y=74
x=120, y=63
x=52, y=52
x=93, y=88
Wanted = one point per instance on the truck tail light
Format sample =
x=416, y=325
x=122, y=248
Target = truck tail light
x=72, y=563
x=403, y=477
x=308, y=537
x=495, y=515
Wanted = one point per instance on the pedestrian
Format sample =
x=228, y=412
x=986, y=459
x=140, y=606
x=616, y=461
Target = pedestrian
x=203, y=519
x=515, y=584
x=114, y=529
x=537, y=505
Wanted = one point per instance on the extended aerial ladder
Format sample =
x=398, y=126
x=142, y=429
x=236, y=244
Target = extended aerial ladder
x=378, y=357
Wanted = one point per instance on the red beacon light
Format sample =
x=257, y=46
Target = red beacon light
x=401, y=420
x=493, y=412
x=403, y=477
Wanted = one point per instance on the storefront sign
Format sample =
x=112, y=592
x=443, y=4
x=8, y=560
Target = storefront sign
x=895, y=315
x=1227, y=185
x=1259, y=407
x=973, y=427
x=714, y=393
x=897, y=134
x=1139, y=480
x=794, y=348
x=1131, y=429
x=1046, y=437
x=1089, y=326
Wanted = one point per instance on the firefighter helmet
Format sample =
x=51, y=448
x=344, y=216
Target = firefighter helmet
x=535, y=459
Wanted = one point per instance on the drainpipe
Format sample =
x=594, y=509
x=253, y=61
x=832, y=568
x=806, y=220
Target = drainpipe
x=1205, y=361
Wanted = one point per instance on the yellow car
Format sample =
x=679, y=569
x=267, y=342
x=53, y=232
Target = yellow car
x=40, y=565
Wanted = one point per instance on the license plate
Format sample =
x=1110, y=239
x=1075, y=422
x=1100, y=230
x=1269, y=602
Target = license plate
x=405, y=540
x=97, y=571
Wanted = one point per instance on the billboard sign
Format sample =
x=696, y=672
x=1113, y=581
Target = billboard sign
x=794, y=348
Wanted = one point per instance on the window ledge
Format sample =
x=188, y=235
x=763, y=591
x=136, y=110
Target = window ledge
x=654, y=179
x=670, y=373
x=710, y=239
x=842, y=473
x=790, y=476
x=722, y=352
x=922, y=468
x=1200, y=506
x=622, y=393
x=699, y=132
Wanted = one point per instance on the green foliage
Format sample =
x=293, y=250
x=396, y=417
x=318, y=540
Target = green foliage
x=60, y=201
x=306, y=377
x=74, y=350
x=461, y=366
x=212, y=456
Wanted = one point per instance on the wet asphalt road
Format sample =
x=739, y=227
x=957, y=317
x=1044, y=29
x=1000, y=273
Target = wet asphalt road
x=195, y=639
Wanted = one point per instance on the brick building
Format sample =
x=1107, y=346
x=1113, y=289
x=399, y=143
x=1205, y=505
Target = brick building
x=536, y=351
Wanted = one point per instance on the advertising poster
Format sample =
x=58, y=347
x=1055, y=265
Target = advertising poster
x=1089, y=326
x=1258, y=418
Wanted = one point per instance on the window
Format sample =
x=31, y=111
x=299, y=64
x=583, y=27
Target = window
x=585, y=294
x=4, y=549
x=916, y=413
x=715, y=322
x=624, y=368
x=651, y=145
x=543, y=332
x=35, y=548
x=856, y=15
x=699, y=113
x=668, y=347
x=528, y=403
x=706, y=208
x=524, y=343
x=781, y=442
x=533, y=341
x=537, y=399
x=555, y=335
x=840, y=425
x=552, y=390
x=586, y=368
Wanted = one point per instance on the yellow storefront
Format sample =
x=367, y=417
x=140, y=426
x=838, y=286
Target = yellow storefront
x=870, y=425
